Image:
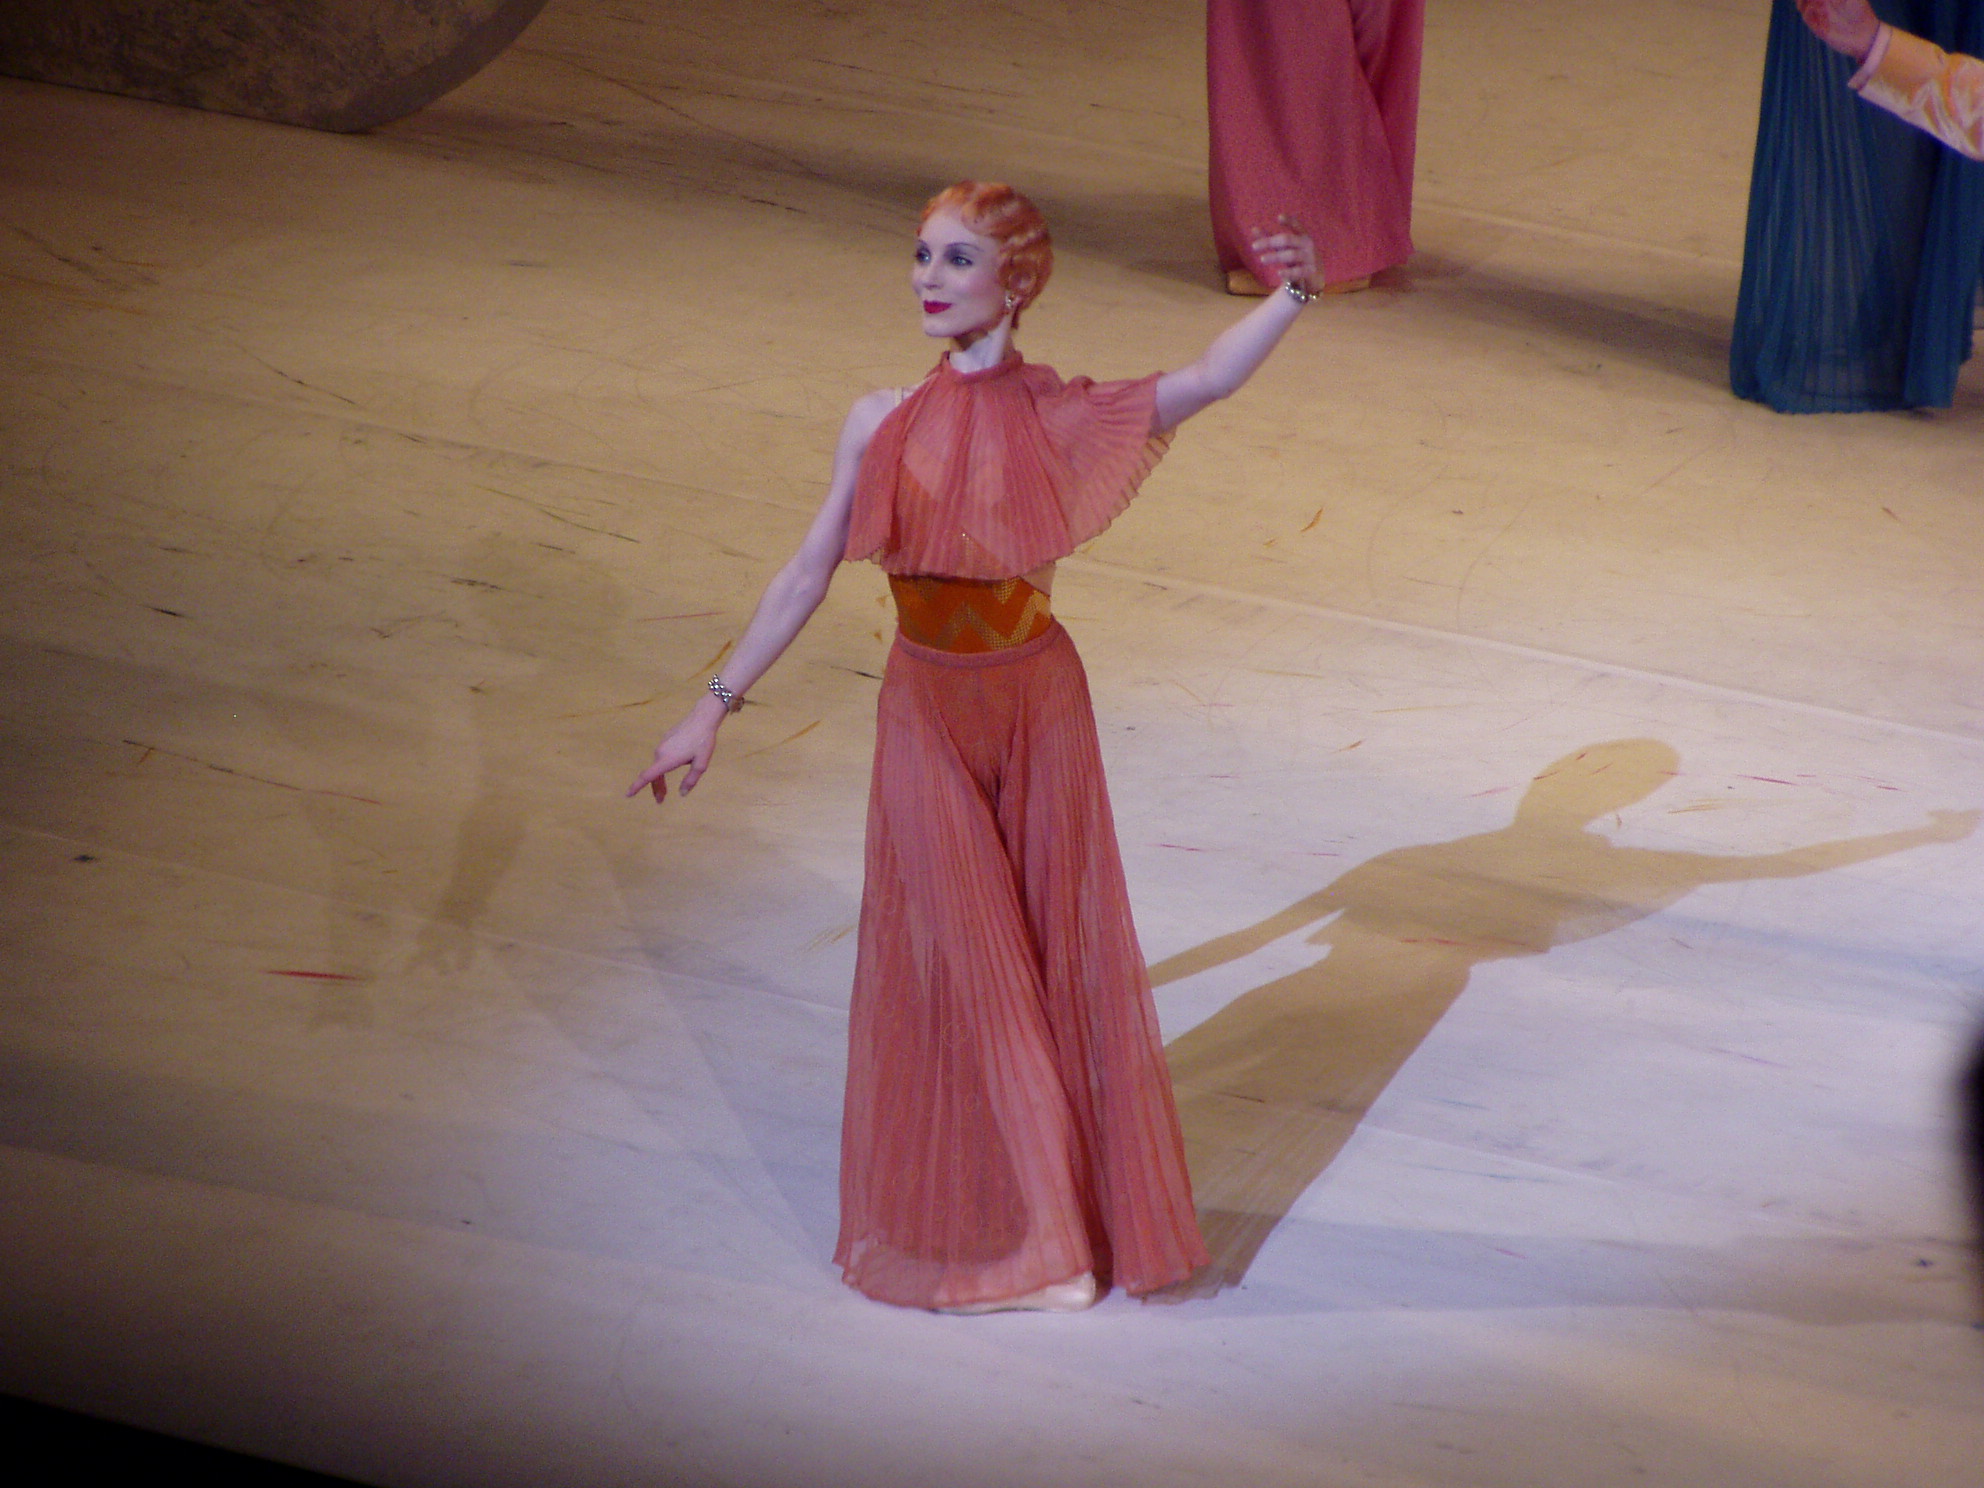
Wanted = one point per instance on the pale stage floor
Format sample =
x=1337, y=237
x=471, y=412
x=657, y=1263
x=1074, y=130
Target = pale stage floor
x=385, y=1094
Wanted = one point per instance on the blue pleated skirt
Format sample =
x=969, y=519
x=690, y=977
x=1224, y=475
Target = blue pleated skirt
x=1861, y=264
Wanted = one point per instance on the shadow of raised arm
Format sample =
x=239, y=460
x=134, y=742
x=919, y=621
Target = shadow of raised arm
x=1823, y=857
x=1189, y=962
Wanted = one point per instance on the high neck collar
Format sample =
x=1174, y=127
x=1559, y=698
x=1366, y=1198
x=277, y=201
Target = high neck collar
x=1009, y=363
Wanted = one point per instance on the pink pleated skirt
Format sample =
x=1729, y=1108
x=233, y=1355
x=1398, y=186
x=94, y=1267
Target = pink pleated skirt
x=1313, y=109
x=1009, y=1119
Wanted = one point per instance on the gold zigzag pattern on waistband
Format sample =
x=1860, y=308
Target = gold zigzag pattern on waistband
x=966, y=615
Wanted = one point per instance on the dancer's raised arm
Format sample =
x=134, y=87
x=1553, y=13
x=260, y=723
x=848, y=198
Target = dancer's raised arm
x=783, y=610
x=1238, y=350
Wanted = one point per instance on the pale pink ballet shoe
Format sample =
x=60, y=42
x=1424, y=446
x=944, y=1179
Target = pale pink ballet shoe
x=1077, y=1295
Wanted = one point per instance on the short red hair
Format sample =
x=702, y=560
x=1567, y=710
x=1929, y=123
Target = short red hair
x=1026, y=252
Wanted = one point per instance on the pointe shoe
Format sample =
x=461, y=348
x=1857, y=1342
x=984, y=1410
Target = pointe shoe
x=1077, y=1295
x=1348, y=286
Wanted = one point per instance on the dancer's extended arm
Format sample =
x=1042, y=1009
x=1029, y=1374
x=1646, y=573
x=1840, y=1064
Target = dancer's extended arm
x=786, y=605
x=1240, y=348
x=1939, y=92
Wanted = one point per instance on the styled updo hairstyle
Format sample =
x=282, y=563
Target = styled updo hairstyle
x=1026, y=252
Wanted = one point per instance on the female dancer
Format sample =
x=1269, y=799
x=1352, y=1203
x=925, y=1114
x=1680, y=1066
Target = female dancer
x=1010, y=1139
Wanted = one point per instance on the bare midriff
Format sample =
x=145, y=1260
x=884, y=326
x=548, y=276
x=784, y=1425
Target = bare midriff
x=969, y=616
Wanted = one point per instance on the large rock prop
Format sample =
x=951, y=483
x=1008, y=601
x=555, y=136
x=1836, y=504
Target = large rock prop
x=327, y=64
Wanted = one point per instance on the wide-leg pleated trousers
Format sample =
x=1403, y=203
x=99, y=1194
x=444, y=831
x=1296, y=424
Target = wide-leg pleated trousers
x=1313, y=111
x=1009, y=1119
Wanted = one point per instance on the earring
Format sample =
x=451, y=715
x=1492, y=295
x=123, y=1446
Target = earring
x=1012, y=300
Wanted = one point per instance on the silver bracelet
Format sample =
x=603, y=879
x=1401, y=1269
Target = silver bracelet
x=1297, y=293
x=732, y=703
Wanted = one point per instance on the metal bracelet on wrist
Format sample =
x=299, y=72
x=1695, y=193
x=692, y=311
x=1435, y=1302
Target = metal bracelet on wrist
x=732, y=703
x=1297, y=293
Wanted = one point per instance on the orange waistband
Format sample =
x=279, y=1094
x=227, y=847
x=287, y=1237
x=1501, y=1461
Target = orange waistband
x=965, y=616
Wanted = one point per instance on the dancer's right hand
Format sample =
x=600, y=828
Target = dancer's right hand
x=691, y=742
x=1288, y=253
x=1848, y=26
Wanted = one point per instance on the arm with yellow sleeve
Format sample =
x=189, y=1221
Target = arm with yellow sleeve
x=1937, y=91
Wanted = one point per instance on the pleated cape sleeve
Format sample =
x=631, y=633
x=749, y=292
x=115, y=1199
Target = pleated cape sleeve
x=988, y=475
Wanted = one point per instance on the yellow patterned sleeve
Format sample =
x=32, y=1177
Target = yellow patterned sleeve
x=1935, y=90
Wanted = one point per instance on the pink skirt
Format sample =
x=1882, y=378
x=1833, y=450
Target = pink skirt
x=1009, y=1118
x=1314, y=111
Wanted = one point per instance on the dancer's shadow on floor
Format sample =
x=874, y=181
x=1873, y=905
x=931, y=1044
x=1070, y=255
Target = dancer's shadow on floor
x=1272, y=1086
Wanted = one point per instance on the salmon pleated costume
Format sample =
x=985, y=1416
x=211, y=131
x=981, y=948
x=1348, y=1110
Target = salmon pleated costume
x=1312, y=110
x=1009, y=1119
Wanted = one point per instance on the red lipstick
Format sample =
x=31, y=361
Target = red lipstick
x=935, y=307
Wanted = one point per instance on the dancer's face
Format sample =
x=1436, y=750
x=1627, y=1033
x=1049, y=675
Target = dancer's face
x=956, y=279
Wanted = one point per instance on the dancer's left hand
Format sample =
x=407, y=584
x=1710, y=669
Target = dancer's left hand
x=1848, y=26
x=1287, y=253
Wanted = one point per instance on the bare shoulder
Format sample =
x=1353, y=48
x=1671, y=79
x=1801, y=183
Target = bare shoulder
x=868, y=412
x=863, y=419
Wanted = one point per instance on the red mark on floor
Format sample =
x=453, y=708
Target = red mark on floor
x=710, y=665
x=1179, y=846
x=1767, y=779
x=615, y=708
x=787, y=739
x=1751, y=1058
x=306, y=790
x=312, y=976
